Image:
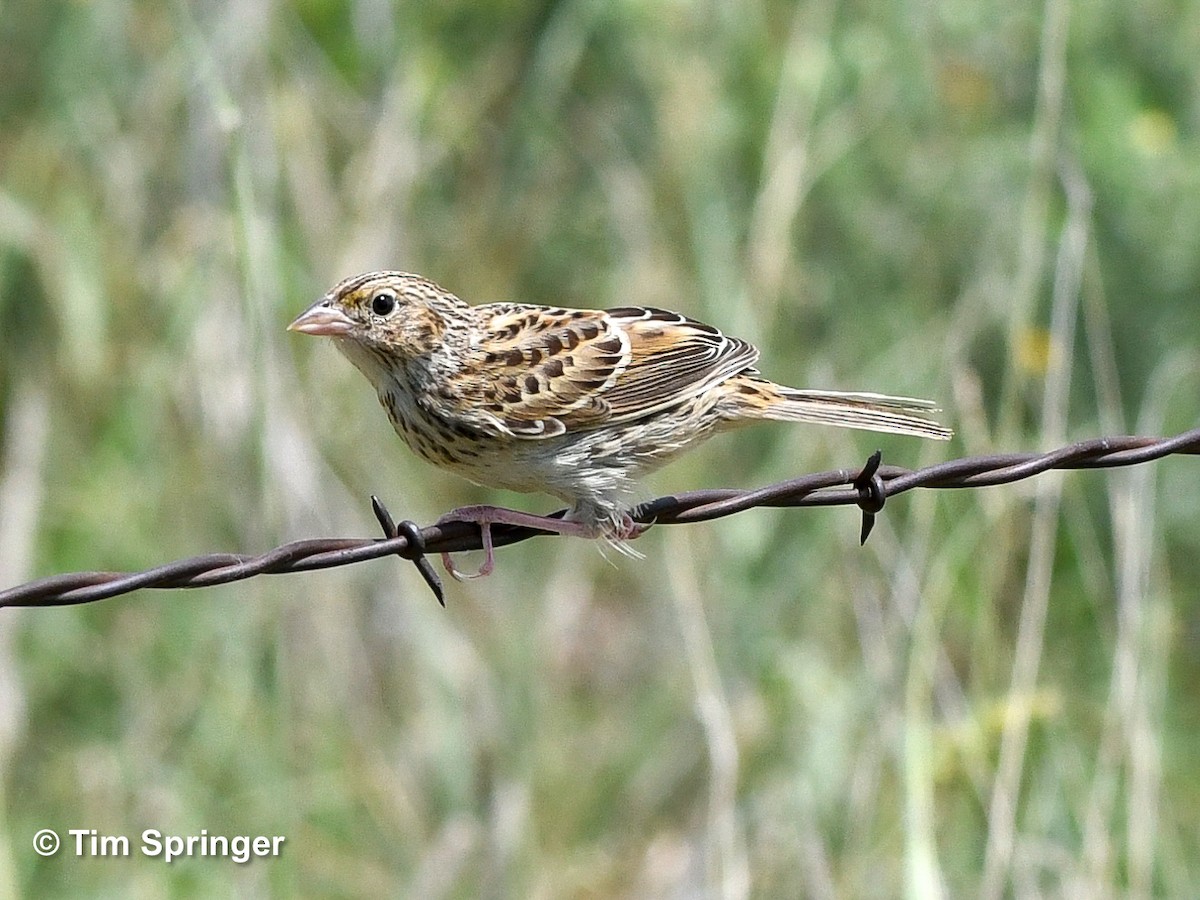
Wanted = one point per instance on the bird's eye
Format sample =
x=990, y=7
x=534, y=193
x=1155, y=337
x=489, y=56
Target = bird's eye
x=383, y=303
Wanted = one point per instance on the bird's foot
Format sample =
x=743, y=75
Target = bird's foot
x=620, y=532
x=630, y=530
x=487, y=516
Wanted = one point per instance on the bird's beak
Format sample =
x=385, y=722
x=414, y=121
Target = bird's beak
x=323, y=319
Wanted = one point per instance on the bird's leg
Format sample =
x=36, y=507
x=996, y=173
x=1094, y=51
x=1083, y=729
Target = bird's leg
x=487, y=516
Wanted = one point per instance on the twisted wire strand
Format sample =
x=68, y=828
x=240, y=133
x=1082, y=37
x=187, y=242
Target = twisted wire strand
x=867, y=487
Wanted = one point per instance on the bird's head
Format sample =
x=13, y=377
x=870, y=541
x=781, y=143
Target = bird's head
x=382, y=318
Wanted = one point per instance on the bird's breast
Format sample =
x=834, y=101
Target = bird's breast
x=452, y=445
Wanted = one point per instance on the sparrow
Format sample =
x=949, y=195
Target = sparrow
x=577, y=403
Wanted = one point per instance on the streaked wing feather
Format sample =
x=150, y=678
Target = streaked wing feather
x=543, y=371
x=673, y=358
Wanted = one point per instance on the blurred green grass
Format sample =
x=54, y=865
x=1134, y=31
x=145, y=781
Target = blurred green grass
x=878, y=195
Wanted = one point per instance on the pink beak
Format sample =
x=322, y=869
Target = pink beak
x=322, y=319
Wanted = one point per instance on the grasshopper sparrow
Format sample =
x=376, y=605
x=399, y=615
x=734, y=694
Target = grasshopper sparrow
x=576, y=403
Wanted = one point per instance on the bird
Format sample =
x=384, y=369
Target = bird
x=576, y=403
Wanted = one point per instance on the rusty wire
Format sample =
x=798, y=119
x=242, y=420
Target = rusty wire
x=867, y=487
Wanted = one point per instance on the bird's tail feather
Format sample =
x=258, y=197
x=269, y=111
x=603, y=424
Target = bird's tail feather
x=871, y=412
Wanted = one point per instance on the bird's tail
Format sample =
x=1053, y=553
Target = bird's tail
x=872, y=412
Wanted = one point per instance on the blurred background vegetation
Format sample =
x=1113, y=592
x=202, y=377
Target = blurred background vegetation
x=993, y=204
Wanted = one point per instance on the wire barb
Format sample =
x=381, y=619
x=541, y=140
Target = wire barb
x=868, y=488
x=414, y=549
x=872, y=493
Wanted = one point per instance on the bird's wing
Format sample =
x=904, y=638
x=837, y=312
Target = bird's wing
x=542, y=371
x=671, y=358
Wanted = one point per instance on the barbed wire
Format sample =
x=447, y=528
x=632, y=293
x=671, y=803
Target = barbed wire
x=868, y=488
